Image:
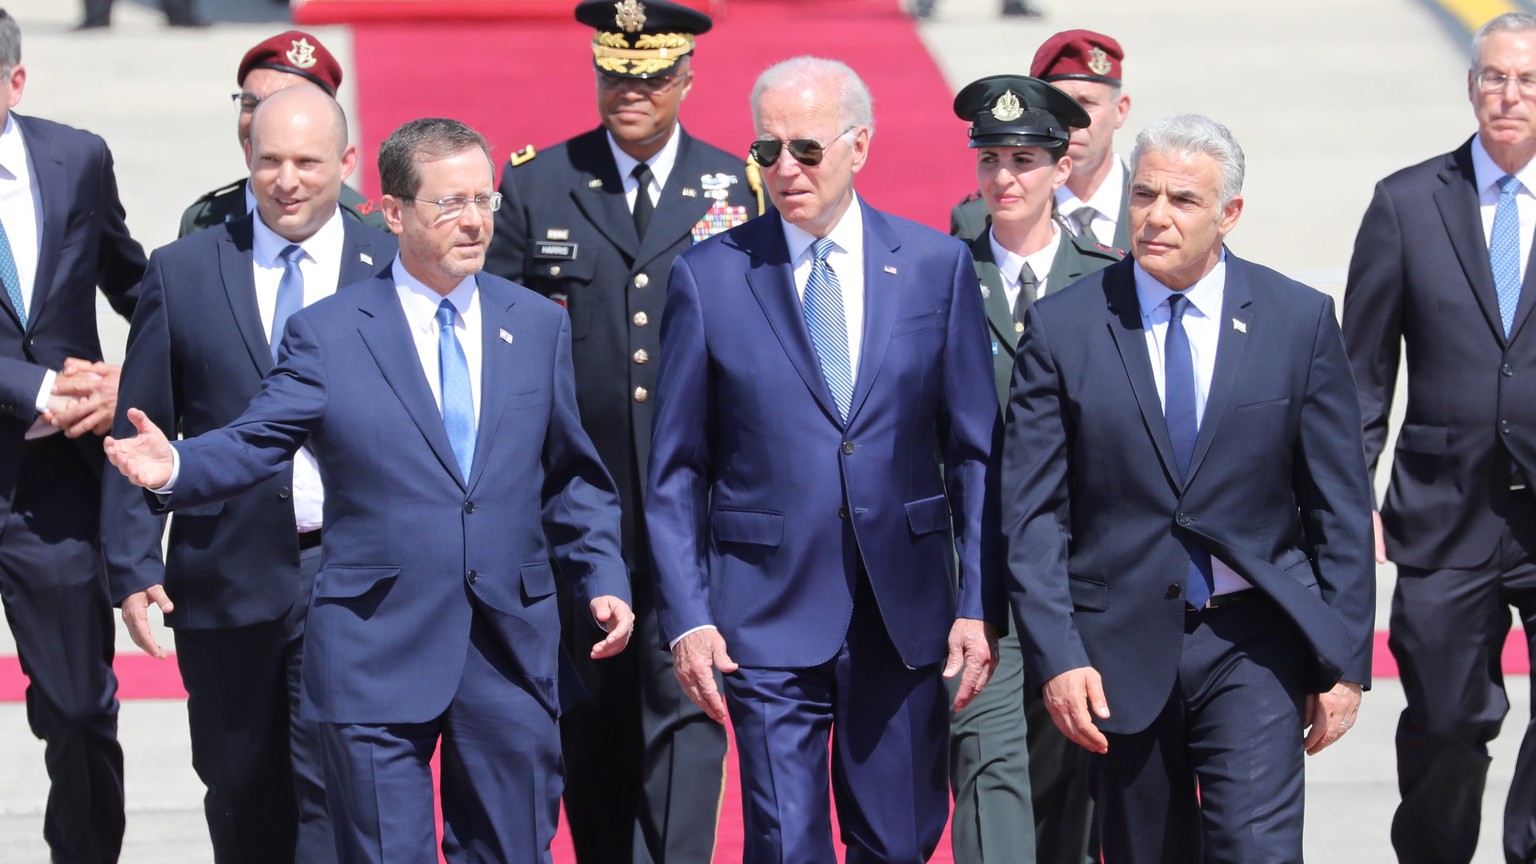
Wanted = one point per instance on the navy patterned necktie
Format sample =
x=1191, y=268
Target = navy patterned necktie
x=1504, y=249
x=1183, y=421
x=458, y=402
x=12, y=281
x=828, y=326
x=290, y=293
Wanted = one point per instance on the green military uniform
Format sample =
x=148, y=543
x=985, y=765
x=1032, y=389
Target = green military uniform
x=968, y=219
x=228, y=202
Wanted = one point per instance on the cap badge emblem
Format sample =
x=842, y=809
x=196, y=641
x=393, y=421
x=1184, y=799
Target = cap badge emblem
x=302, y=54
x=630, y=15
x=1098, y=61
x=1007, y=109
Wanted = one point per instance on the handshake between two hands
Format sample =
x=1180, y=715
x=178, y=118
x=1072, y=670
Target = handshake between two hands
x=84, y=397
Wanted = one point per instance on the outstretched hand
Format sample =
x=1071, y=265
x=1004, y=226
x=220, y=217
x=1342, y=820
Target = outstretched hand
x=145, y=459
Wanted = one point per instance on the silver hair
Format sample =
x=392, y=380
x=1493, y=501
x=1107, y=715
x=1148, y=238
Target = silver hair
x=1509, y=22
x=10, y=42
x=1191, y=134
x=853, y=99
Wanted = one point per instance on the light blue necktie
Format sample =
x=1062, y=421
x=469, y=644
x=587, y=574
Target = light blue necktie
x=12, y=281
x=458, y=403
x=1183, y=428
x=824, y=318
x=1504, y=249
x=290, y=293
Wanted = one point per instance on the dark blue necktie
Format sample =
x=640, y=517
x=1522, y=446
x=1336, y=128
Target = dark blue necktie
x=824, y=318
x=1504, y=249
x=12, y=281
x=458, y=403
x=1183, y=428
x=290, y=293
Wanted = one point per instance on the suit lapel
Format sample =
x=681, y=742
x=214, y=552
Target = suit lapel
x=387, y=335
x=883, y=275
x=1125, y=325
x=1458, y=204
x=675, y=213
x=237, y=274
x=52, y=181
x=599, y=192
x=496, y=369
x=360, y=258
x=993, y=297
x=772, y=280
x=1236, y=307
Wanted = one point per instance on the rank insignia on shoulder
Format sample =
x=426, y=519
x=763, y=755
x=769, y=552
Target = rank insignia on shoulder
x=524, y=155
x=719, y=217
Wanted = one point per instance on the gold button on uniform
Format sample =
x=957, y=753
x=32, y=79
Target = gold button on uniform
x=554, y=269
x=642, y=280
x=642, y=357
x=642, y=394
x=1018, y=326
x=642, y=319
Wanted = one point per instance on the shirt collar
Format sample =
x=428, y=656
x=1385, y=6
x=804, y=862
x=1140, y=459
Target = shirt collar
x=847, y=234
x=421, y=302
x=1487, y=173
x=1107, y=201
x=13, y=152
x=661, y=164
x=267, y=245
x=1040, y=261
x=1204, y=296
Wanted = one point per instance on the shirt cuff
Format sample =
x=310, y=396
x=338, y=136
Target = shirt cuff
x=170, y=485
x=686, y=633
x=45, y=392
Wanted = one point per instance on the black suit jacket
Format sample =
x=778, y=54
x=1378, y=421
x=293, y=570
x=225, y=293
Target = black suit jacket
x=196, y=355
x=1420, y=275
x=565, y=231
x=83, y=244
x=1096, y=512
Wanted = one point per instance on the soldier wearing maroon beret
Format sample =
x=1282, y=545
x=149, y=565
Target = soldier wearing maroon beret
x=285, y=60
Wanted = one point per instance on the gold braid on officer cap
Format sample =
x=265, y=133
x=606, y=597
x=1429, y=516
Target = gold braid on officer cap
x=651, y=52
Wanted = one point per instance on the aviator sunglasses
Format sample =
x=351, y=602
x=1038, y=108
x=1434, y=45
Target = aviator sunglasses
x=806, y=151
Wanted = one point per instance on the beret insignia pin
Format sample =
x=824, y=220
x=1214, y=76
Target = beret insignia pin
x=302, y=54
x=1098, y=61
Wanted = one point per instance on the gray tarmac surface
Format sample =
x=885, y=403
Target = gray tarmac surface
x=1326, y=98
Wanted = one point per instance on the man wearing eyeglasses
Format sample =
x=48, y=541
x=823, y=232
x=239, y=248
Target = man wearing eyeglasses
x=1441, y=263
x=237, y=575
x=594, y=223
x=290, y=59
x=825, y=424
x=440, y=406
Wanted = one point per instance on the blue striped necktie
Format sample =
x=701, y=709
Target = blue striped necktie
x=824, y=318
x=1183, y=428
x=458, y=403
x=1504, y=249
x=12, y=281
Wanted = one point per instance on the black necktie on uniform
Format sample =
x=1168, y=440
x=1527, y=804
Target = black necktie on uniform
x=1029, y=287
x=643, y=206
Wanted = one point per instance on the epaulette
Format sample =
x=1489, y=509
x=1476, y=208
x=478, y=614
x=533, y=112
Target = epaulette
x=522, y=156
x=222, y=191
x=974, y=196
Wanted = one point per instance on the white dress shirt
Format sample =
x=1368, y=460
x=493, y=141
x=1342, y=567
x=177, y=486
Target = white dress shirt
x=847, y=261
x=661, y=167
x=321, y=268
x=1106, y=203
x=1202, y=324
x=420, y=304
x=1487, y=175
x=1011, y=264
x=21, y=212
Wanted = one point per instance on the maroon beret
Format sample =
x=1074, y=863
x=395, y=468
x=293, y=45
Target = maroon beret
x=1081, y=55
x=296, y=52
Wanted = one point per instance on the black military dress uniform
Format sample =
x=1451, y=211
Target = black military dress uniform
x=644, y=766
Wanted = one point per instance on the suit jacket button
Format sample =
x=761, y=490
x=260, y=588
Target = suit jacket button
x=642, y=280
x=284, y=493
x=469, y=506
x=472, y=576
x=1507, y=370
x=642, y=394
x=642, y=357
x=842, y=512
x=1174, y=591
x=847, y=448
x=1183, y=520
x=642, y=319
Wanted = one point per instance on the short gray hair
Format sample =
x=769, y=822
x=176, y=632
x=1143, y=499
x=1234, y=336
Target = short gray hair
x=10, y=42
x=1509, y=22
x=1192, y=134
x=853, y=100
x=421, y=140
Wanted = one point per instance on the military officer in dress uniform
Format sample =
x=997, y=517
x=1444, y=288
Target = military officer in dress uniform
x=594, y=223
x=285, y=60
x=1093, y=201
x=1019, y=129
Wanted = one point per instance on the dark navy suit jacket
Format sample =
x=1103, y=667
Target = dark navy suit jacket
x=762, y=502
x=1095, y=512
x=196, y=355
x=412, y=549
x=83, y=244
